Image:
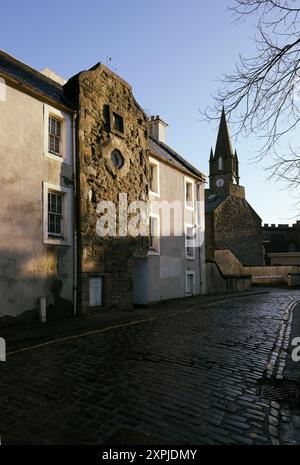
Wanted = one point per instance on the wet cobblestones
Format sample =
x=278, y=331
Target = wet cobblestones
x=190, y=378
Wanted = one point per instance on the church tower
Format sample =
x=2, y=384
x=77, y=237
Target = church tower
x=224, y=164
x=231, y=224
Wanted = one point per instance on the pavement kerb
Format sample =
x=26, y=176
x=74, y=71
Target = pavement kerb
x=191, y=308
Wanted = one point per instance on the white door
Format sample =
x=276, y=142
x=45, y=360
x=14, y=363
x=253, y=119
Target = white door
x=190, y=283
x=95, y=292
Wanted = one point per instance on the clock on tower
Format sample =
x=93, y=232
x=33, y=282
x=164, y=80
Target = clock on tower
x=220, y=182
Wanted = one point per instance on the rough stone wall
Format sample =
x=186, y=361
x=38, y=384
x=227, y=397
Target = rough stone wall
x=238, y=228
x=209, y=237
x=99, y=93
x=282, y=238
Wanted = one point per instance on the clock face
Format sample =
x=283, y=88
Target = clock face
x=220, y=182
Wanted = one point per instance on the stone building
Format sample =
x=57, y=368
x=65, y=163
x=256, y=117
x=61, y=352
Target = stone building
x=281, y=244
x=77, y=175
x=231, y=222
x=112, y=149
x=36, y=185
x=281, y=238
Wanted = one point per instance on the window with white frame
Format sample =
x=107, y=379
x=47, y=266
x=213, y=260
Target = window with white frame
x=154, y=176
x=189, y=193
x=154, y=236
x=57, y=214
x=190, y=241
x=190, y=283
x=54, y=136
x=57, y=135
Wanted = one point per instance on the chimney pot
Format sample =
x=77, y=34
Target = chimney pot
x=158, y=129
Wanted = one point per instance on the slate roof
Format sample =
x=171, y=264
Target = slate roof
x=33, y=79
x=166, y=152
x=212, y=201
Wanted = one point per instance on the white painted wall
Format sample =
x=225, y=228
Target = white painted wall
x=28, y=266
x=167, y=271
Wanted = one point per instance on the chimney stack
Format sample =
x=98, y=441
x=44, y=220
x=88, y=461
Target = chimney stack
x=158, y=129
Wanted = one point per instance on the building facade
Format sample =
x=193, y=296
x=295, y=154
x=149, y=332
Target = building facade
x=79, y=230
x=36, y=185
x=231, y=222
x=175, y=264
x=112, y=154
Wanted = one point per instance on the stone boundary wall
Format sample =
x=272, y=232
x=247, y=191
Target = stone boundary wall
x=281, y=227
x=271, y=274
x=218, y=283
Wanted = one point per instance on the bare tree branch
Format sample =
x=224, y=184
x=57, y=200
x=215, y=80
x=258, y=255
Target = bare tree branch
x=262, y=95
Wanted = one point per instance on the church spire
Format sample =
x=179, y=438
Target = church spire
x=223, y=145
x=211, y=155
x=223, y=163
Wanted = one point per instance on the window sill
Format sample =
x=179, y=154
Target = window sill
x=189, y=207
x=153, y=252
x=118, y=133
x=56, y=241
x=190, y=257
x=58, y=158
x=154, y=194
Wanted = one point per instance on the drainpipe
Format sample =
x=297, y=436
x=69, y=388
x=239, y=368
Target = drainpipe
x=199, y=227
x=74, y=215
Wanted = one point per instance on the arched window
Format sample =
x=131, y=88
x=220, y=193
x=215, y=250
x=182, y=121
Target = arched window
x=117, y=158
x=220, y=163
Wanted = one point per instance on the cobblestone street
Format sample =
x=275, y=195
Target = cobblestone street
x=187, y=378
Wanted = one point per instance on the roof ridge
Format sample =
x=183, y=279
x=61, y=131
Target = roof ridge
x=180, y=159
x=29, y=69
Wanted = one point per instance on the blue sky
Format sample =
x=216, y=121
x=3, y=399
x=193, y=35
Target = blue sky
x=170, y=51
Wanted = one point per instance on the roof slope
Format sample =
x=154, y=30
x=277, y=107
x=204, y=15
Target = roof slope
x=33, y=79
x=212, y=201
x=166, y=152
